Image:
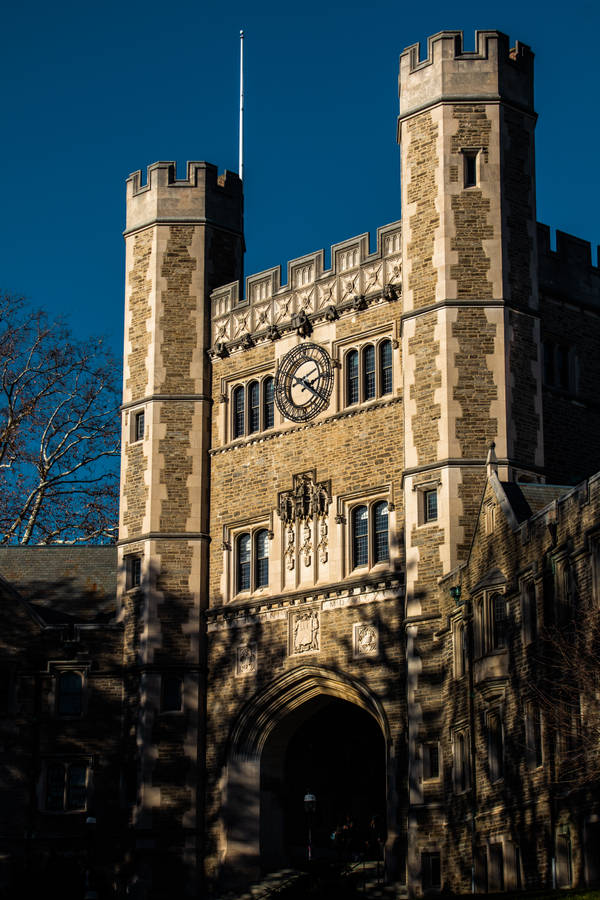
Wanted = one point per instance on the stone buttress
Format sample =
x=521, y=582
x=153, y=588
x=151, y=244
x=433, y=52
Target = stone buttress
x=183, y=239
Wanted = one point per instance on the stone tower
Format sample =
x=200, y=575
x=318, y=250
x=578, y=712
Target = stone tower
x=183, y=238
x=471, y=329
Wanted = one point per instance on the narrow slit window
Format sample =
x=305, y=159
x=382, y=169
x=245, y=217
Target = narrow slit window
x=139, y=426
x=470, y=163
x=431, y=506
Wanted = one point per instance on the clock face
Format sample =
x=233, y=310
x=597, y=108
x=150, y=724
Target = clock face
x=303, y=382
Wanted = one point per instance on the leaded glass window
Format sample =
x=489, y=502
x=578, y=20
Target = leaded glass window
x=352, y=377
x=360, y=536
x=369, y=372
x=243, y=563
x=385, y=361
x=381, y=550
x=238, y=411
x=269, y=408
x=262, y=558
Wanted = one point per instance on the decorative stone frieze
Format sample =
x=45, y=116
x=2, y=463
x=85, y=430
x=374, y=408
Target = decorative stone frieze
x=356, y=280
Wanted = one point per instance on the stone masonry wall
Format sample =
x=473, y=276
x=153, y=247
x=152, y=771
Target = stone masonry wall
x=421, y=163
x=471, y=209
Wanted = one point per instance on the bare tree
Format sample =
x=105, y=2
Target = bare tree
x=568, y=689
x=59, y=432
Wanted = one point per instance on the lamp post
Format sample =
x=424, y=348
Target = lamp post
x=310, y=807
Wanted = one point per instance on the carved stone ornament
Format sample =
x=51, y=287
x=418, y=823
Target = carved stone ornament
x=308, y=499
x=307, y=543
x=247, y=341
x=390, y=294
x=246, y=659
x=331, y=313
x=273, y=333
x=219, y=350
x=305, y=631
x=323, y=540
x=366, y=640
x=301, y=323
x=290, y=548
x=359, y=301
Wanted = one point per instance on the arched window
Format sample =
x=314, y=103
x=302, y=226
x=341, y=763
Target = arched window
x=368, y=372
x=385, y=367
x=360, y=536
x=243, y=562
x=268, y=403
x=261, y=550
x=253, y=407
x=352, y=377
x=70, y=691
x=381, y=549
x=238, y=411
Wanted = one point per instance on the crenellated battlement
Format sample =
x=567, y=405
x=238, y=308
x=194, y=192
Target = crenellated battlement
x=493, y=71
x=356, y=279
x=569, y=270
x=203, y=195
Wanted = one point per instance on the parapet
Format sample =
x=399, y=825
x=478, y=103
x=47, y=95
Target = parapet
x=203, y=196
x=569, y=271
x=355, y=280
x=493, y=71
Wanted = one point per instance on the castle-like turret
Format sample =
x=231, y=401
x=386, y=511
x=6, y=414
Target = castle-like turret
x=466, y=129
x=183, y=238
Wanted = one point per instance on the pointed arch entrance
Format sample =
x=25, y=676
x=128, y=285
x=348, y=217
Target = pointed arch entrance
x=312, y=723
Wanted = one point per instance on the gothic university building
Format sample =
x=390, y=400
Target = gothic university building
x=355, y=500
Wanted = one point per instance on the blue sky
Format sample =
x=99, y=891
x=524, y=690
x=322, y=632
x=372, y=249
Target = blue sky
x=91, y=92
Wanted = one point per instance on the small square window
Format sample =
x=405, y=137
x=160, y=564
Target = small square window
x=430, y=506
x=139, y=425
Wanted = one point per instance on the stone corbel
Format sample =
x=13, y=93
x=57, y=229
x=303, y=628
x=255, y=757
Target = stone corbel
x=389, y=293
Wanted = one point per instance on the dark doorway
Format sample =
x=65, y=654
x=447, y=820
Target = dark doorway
x=336, y=751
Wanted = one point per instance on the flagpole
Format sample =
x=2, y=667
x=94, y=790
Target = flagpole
x=241, y=164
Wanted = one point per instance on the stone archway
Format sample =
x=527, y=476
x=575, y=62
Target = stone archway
x=254, y=816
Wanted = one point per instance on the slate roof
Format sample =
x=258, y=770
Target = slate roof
x=528, y=499
x=64, y=583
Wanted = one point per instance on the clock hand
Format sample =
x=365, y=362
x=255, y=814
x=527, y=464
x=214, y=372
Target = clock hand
x=313, y=390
